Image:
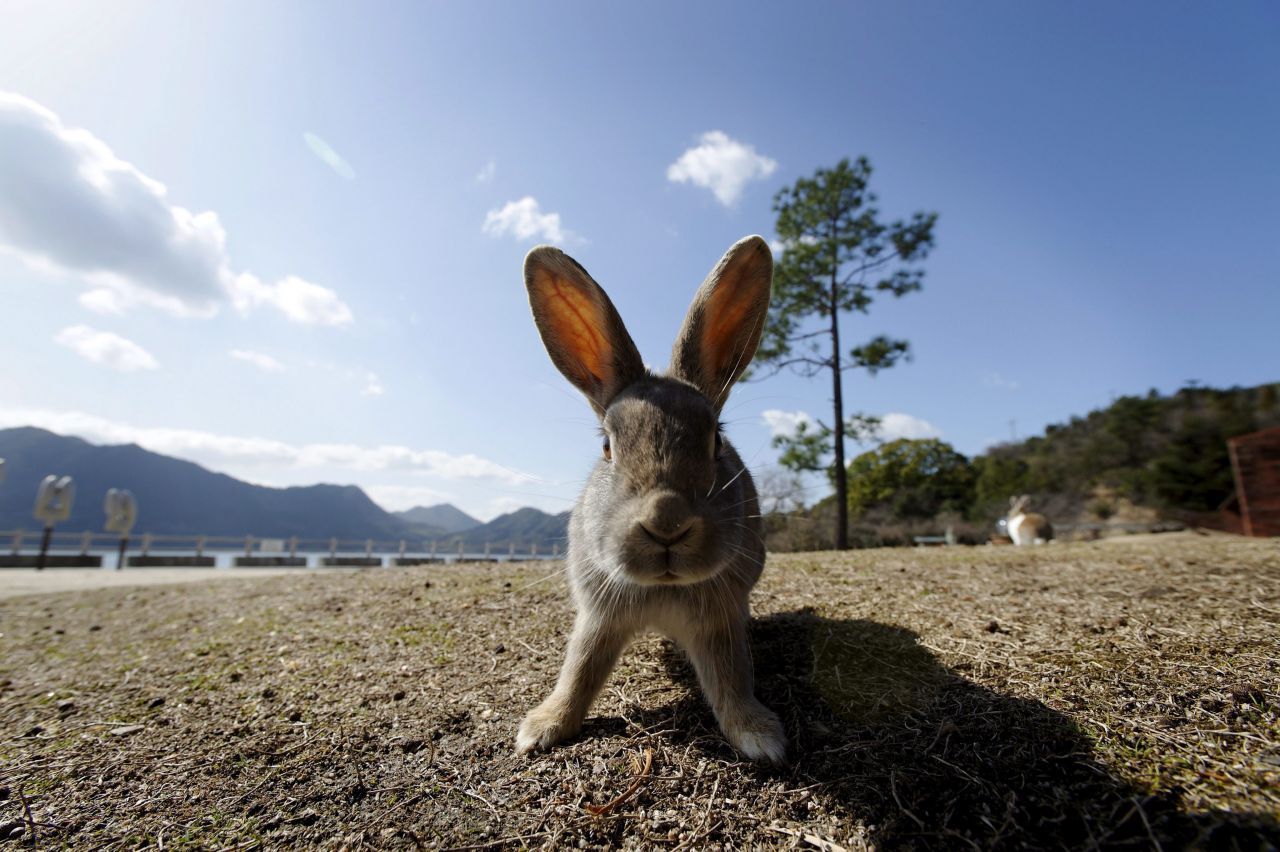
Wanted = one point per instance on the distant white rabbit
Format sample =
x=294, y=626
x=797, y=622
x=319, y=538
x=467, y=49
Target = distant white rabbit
x=1025, y=527
x=667, y=533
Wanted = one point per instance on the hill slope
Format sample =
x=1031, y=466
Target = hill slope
x=444, y=517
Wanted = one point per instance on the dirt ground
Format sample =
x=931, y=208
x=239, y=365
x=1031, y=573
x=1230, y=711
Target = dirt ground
x=1120, y=694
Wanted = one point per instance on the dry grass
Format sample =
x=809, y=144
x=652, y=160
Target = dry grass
x=1116, y=694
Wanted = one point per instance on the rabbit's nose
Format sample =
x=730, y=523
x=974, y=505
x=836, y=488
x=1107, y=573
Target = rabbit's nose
x=667, y=519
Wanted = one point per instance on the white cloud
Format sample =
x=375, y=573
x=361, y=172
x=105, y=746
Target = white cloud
x=524, y=220
x=785, y=423
x=300, y=301
x=102, y=301
x=723, y=165
x=895, y=425
x=328, y=156
x=260, y=360
x=220, y=450
x=486, y=174
x=105, y=348
x=70, y=205
x=372, y=385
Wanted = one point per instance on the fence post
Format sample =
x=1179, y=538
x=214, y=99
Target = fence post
x=402, y=548
x=293, y=547
x=433, y=548
x=368, y=548
x=146, y=544
x=555, y=549
x=17, y=541
x=511, y=550
x=486, y=550
x=333, y=548
x=200, y=546
x=124, y=546
x=533, y=549
x=85, y=541
x=248, y=545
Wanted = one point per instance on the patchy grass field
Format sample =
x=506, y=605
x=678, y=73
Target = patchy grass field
x=1092, y=695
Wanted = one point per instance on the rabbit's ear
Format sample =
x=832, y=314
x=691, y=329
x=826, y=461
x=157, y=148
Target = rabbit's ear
x=581, y=329
x=722, y=330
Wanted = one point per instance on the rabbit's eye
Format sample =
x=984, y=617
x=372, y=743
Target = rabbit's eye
x=608, y=452
x=719, y=445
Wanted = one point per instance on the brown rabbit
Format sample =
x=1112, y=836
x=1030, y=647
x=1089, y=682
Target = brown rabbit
x=1027, y=527
x=666, y=535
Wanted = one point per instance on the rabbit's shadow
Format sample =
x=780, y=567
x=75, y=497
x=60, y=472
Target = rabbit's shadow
x=923, y=757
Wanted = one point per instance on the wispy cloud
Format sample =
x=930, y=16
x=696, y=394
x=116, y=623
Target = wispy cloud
x=71, y=205
x=487, y=174
x=260, y=360
x=331, y=158
x=721, y=164
x=524, y=220
x=372, y=385
x=218, y=449
x=301, y=301
x=993, y=379
x=105, y=348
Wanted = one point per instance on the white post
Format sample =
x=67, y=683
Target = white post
x=248, y=545
x=533, y=549
x=368, y=548
x=486, y=550
x=460, y=552
x=555, y=549
x=17, y=541
x=293, y=547
x=85, y=541
x=200, y=546
x=333, y=548
x=402, y=548
x=433, y=548
x=146, y=544
x=511, y=549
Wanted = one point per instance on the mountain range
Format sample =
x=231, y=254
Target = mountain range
x=177, y=497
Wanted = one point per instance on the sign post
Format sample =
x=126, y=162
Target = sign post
x=53, y=503
x=122, y=512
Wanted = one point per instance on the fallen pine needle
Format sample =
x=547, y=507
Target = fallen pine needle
x=600, y=810
x=812, y=839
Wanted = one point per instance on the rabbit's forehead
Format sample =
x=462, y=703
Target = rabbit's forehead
x=660, y=410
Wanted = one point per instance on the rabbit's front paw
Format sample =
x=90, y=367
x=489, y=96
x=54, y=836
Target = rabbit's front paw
x=545, y=725
x=757, y=733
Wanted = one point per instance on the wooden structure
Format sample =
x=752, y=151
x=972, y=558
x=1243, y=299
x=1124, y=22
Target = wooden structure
x=1255, y=462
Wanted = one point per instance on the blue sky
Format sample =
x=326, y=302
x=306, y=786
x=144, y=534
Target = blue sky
x=284, y=240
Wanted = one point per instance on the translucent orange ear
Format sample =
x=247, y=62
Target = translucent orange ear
x=581, y=329
x=723, y=328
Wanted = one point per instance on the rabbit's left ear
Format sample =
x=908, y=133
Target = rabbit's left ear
x=722, y=330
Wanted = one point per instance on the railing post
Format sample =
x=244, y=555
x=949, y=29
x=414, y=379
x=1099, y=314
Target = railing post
x=17, y=541
x=368, y=548
x=511, y=549
x=555, y=549
x=486, y=550
x=293, y=547
x=146, y=544
x=85, y=541
x=433, y=548
x=533, y=549
x=248, y=545
x=402, y=545
x=200, y=546
x=124, y=546
x=461, y=553
x=333, y=548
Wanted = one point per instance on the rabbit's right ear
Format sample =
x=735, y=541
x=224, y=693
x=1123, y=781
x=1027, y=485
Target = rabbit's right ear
x=580, y=327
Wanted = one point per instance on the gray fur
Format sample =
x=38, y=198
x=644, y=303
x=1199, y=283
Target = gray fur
x=666, y=535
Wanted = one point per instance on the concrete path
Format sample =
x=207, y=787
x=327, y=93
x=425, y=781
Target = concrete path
x=28, y=581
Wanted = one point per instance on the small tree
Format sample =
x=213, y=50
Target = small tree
x=914, y=479
x=838, y=256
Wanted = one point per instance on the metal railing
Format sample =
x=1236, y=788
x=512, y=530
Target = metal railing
x=246, y=549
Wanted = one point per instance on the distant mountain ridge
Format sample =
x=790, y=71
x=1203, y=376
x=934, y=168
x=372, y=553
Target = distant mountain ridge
x=177, y=497
x=445, y=517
